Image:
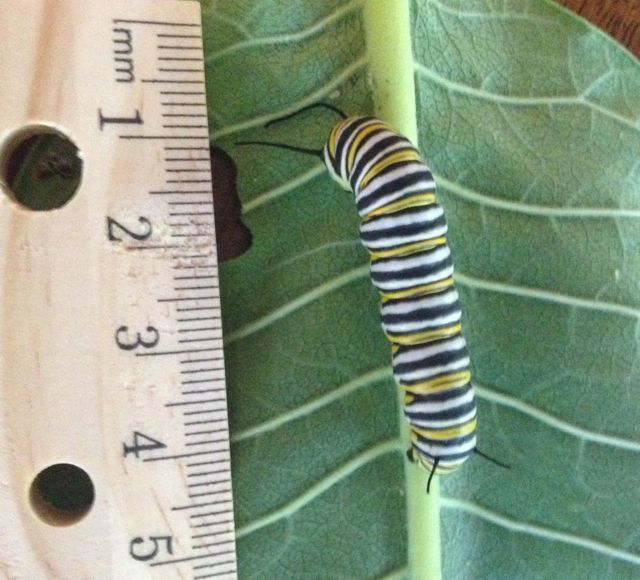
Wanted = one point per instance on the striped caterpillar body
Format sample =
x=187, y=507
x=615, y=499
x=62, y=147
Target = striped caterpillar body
x=403, y=228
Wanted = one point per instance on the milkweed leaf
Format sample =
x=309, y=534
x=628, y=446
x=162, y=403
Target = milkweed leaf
x=530, y=119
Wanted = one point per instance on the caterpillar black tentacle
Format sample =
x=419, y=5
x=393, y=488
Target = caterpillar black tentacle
x=327, y=106
x=315, y=152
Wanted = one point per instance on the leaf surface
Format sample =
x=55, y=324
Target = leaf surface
x=530, y=120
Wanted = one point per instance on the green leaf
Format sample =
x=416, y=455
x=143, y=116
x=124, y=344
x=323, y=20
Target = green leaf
x=317, y=455
x=530, y=120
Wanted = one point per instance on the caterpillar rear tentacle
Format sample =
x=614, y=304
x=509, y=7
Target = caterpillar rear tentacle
x=404, y=230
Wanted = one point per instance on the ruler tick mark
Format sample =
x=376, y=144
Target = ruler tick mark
x=191, y=115
x=210, y=431
x=217, y=443
x=198, y=402
x=215, y=544
x=208, y=514
x=201, y=391
x=179, y=59
x=203, y=412
x=193, y=93
x=189, y=181
x=174, y=352
x=205, y=381
x=177, y=47
x=172, y=159
x=182, y=104
x=178, y=560
x=215, y=462
x=217, y=574
x=215, y=564
x=179, y=288
x=192, y=340
x=185, y=126
x=186, y=299
x=209, y=534
x=211, y=359
x=199, y=505
x=193, y=235
x=162, y=35
x=179, y=456
x=182, y=70
x=206, y=422
x=172, y=81
x=207, y=473
x=200, y=329
x=154, y=22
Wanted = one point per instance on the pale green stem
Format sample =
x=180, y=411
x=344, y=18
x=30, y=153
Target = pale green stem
x=387, y=25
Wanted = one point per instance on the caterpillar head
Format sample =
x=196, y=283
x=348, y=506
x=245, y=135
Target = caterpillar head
x=335, y=153
x=333, y=171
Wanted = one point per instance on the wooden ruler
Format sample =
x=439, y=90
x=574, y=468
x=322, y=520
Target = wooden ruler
x=114, y=446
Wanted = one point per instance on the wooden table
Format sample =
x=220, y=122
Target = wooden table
x=619, y=18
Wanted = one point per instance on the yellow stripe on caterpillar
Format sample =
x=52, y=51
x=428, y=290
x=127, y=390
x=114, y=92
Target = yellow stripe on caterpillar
x=425, y=336
x=418, y=290
x=355, y=144
x=391, y=159
x=408, y=248
x=445, y=434
x=331, y=142
x=424, y=198
x=439, y=384
x=426, y=462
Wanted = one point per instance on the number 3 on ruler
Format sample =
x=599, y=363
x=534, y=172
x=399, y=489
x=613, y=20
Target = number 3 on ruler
x=152, y=341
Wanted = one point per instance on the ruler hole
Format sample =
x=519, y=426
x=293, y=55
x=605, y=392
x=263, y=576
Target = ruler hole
x=62, y=494
x=40, y=167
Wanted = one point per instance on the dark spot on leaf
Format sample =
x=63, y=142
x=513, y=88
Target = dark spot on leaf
x=232, y=236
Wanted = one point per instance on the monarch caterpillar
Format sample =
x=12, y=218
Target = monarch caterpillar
x=404, y=230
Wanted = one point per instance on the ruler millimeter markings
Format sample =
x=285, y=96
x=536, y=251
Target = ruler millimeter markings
x=111, y=367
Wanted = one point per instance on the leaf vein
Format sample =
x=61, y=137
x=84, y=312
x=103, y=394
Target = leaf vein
x=326, y=89
x=547, y=296
x=297, y=303
x=231, y=22
x=335, y=477
x=457, y=87
x=492, y=16
x=534, y=210
x=283, y=189
x=501, y=399
x=336, y=394
x=538, y=531
x=290, y=37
